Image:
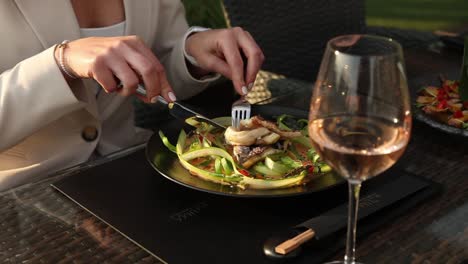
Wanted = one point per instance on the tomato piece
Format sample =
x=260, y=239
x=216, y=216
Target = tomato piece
x=442, y=104
x=311, y=169
x=445, y=88
x=441, y=94
x=458, y=114
x=244, y=172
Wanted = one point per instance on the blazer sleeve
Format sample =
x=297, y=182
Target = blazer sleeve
x=169, y=47
x=33, y=94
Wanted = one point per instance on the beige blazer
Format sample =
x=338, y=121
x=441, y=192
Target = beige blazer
x=41, y=117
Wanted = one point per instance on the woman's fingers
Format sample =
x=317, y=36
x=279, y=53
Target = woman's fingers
x=254, y=56
x=125, y=74
x=166, y=89
x=152, y=72
x=120, y=64
x=228, y=46
x=144, y=68
x=230, y=50
x=104, y=76
x=213, y=63
x=236, y=41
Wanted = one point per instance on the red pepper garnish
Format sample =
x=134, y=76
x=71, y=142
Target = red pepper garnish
x=445, y=88
x=458, y=114
x=441, y=94
x=442, y=104
x=311, y=169
x=244, y=172
x=200, y=137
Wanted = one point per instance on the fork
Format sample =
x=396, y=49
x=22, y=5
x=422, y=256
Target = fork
x=240, y=111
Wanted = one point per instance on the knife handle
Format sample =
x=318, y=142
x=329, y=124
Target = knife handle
x=293, y=243
x=142, y=91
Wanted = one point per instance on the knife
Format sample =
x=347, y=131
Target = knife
x=451, y=39
x=336, y=218
x=181, y=111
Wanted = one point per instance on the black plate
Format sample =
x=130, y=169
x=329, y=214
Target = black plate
x=432, y=122
x=424, y=68
x=167, y=163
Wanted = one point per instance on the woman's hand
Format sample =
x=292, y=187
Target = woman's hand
x=111, y=60
x=219, y=50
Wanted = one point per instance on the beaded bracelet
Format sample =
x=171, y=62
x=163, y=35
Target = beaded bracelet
x=61, y=60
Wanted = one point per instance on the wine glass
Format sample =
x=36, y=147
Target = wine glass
x=360, y=119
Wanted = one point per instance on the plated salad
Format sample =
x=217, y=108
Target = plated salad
x=261, y=154
x=444, y=104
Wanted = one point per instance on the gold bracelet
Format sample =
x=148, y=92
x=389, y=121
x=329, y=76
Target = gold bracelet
x=61, y=59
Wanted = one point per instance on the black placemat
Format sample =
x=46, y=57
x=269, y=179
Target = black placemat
x=181, y=225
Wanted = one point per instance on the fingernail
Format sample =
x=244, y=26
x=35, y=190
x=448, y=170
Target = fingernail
x=154, y=99
x=244, y=90
x=250, y=86
x=172, y=96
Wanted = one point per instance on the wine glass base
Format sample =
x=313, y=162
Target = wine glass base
x=341, y=262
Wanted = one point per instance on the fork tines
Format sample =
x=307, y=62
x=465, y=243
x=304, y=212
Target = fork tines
x=240, y=112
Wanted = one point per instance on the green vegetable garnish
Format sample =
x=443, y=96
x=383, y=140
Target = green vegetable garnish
x=166, y=142
x=226, y=166
x=203, y=153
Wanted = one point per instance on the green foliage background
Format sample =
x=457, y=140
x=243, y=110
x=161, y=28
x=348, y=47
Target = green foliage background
x=207, y=13
x=426, y=15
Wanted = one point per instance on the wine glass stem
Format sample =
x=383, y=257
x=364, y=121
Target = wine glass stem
x=353, y=205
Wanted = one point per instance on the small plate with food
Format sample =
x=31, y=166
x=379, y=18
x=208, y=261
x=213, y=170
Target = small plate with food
x=442, y=108
x=269, y=156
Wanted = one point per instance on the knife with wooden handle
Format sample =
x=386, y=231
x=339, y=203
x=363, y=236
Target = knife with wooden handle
x=336, y=218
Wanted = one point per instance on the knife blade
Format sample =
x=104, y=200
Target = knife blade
x=336, y=218
x=181, y=111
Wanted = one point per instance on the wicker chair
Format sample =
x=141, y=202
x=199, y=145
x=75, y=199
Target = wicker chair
x=293, y=34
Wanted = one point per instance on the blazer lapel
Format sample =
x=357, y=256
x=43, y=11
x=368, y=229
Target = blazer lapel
x=51, y=20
